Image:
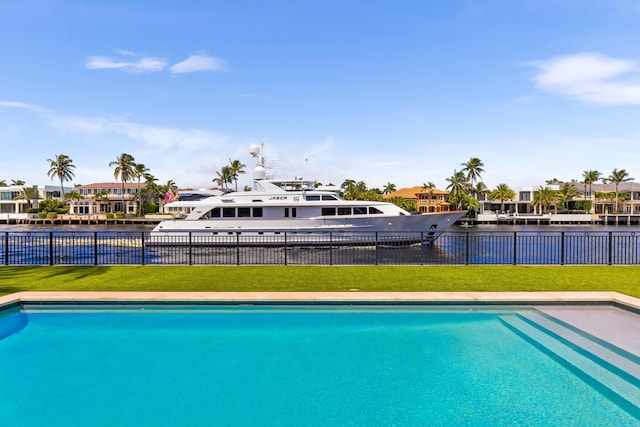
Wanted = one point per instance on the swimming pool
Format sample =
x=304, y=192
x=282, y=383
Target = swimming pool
x=106, y=365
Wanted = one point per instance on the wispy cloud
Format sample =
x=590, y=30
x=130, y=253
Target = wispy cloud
x=23, y=106
x=127, y=61
x=199, y=62
x=132, y=62
x=591, y=77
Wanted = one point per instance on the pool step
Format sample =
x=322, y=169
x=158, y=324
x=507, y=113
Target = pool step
x=620, y=386
x=623, y=363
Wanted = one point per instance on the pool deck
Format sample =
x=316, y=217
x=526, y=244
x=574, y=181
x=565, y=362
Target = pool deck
x=610, y=316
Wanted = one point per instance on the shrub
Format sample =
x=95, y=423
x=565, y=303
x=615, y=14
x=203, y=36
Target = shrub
x=109, y=215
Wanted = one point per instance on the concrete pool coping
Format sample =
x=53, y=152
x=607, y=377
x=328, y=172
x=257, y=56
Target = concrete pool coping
x=506, y=298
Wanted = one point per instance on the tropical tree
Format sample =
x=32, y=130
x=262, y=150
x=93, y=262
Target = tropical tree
x=225, y=176
x=61, y=166
x=503, y=193
x=389, y=188
x=567, y=191
x=236, y=168
x=30, y=194
x=124, y=170
x=544, y=197
x=617, y=177
x=139, y=172
x=474, y=168
x=17, y=182
x=457, y=188
x=3, y=183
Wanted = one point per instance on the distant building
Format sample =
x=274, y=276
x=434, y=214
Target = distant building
x=12, y=206
x=103, y=197
x=427, y=199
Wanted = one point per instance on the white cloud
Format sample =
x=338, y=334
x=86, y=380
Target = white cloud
x=591, y=77
x=199, y=63
x=142, y=64
x=22, y=105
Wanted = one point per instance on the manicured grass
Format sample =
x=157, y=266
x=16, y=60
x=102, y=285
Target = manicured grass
x=624, y=279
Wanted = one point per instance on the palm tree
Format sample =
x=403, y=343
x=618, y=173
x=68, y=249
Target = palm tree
x=590, y=177
x=567, y=191
x=61, y=167
x=139, y=172
x=502, y=192
x=17, y=182
x=544, y=197
x=457, y=188
x=30, y=194
x=3, y=183
x=237, y=168
x=617, y=177
x=125, y=170
x=389, y=188
x=225, y=176
x=473, y=170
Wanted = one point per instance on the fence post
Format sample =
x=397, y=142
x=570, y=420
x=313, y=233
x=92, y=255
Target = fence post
x=142, y=245
x=562, y=248
x=331, y=248
x=190, y=249
x=285, y=248
x=376, y=242
x=466, y=249
x=237, y=248
x=95, y=248
x=6, y=248
x=610, y=255
x=51, y=248
x=515, y=248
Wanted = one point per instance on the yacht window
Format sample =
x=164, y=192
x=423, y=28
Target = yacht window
x=256, y=200
x=289, y=212
x=244, y=212
x=309, y=197
x=373, y=210
x=229, y=212
x=215, y=213
x=344, y=211
x=328, y=211
x=257, y=212
x=328, y=197
x=360, y=211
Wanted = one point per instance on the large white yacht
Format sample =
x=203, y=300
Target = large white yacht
x=293, y=212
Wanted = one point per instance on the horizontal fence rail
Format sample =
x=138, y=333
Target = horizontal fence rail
x=335, y=248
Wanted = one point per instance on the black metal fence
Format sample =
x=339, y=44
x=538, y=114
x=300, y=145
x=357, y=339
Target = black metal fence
x=450, y=248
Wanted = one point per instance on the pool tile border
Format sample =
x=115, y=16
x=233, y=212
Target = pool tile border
x=512, y=298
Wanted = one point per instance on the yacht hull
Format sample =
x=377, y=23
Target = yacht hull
x=320, y=231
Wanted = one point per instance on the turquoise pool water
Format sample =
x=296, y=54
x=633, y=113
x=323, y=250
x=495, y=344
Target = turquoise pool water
x=200, y=366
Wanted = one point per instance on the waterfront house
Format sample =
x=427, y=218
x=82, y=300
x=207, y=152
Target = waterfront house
x=103, y=197
x=427, y=199
x=13, y=205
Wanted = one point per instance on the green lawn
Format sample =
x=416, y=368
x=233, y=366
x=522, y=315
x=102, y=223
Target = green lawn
x=322, y=278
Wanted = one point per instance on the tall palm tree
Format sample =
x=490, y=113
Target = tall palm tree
x=225, y=176
x=544, y=197
x=590, y=177
x=474, y=168
x=3, y=183
x=61, y=166
x=237, y=168
x=389, y=188
x=617, y=177
x=139, y=172
x=17, y=182
x=502, y=192
x=124, y=170
x=457, y=188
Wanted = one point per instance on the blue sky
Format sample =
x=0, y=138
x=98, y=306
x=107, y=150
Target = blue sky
x=381, y=91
